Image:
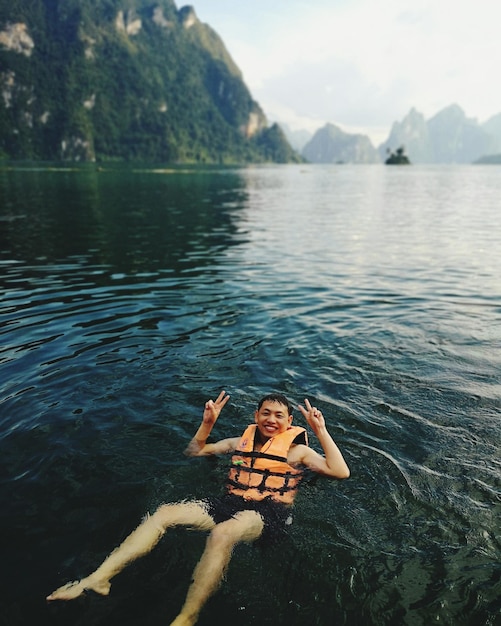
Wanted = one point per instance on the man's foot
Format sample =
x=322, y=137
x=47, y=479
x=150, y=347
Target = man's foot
x=74, y=589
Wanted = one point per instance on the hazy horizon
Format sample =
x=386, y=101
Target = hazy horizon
x=361, y=65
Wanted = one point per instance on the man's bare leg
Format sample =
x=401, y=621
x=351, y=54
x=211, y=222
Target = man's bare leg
x=137, y=544
x=245, y=526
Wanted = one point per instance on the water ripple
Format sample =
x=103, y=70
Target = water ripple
x=370, y=292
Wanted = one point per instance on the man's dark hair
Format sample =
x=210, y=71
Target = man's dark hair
x=276, y=397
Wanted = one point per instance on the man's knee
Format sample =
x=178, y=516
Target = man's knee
x=245, y=526
x=222, y=538
x=161, y=516
x=190, y=514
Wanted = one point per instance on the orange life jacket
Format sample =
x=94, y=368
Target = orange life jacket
x=258, y=475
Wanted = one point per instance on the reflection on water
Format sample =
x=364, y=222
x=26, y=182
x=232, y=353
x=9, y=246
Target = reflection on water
x=132, y=221
x=130, y=296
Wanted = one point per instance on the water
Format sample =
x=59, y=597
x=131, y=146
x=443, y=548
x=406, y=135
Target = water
x=130, y=296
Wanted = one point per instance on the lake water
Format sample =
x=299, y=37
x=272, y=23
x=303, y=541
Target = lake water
x=129, y=296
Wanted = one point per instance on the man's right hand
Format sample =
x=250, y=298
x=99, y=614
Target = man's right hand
x=214, y=408
x=198, y=446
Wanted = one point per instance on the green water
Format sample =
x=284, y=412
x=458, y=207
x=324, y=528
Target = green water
x=131, y=295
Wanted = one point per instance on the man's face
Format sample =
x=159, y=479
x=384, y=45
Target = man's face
x=272, y=419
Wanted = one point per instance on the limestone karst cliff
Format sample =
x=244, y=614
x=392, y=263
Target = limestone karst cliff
x=124, y=79
x=332, y=145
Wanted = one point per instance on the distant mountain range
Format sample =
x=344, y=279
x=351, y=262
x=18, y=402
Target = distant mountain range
x=448, y=137
x=332, y=145
x=87, y=80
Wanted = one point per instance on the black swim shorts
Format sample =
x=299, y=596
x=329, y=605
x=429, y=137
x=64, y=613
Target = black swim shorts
x=276, y=516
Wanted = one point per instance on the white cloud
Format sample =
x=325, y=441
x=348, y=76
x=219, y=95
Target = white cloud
x=363, y=64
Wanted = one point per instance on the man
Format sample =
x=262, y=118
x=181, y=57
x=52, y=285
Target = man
x=266, y=469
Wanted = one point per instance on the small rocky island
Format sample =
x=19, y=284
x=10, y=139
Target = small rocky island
x=397, y=158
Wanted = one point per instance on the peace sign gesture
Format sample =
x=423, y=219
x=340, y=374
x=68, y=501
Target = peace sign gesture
x=313, y=416
x=213, y=408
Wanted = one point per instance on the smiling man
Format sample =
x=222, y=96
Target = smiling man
x=267, y=465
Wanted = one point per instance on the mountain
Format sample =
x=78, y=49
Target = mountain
x=297, y=138
x=124, y=79
x=412, y=132
x=491, y=159
x=332, y=145
x=456, y=138
x=448, y=137
x=493, y=128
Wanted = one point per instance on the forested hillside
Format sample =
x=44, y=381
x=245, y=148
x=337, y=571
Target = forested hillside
x=124, y=80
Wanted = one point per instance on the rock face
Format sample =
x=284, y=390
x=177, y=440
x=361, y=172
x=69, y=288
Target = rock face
x=16, y=38
x=412, y=132
x=448, y=137
x=456, y=138
x=124, y=79
x=493, y=129
x=332, y=145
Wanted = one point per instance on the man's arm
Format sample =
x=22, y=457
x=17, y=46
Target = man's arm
x=333, y=463
x=198, y=446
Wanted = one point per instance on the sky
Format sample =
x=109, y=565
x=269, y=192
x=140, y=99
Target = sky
x=362, y=64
